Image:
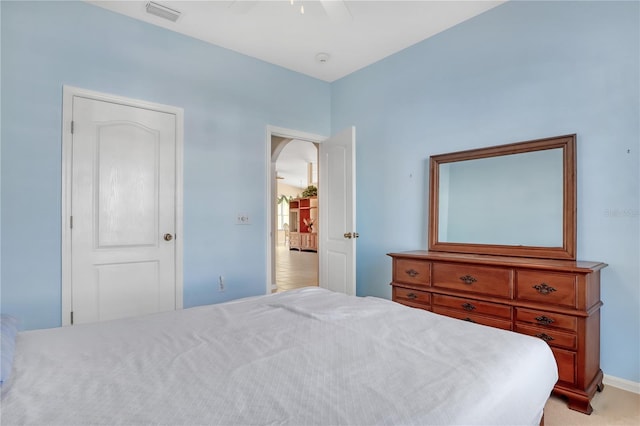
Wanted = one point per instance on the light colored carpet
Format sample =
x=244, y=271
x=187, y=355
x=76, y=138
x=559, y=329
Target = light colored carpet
x=612, y=406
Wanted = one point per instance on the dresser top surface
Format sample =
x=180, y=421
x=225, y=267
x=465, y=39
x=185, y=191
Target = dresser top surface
x=506, y=261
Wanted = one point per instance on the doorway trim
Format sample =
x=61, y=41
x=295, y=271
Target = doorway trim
x=270, y=180
x=69, y=92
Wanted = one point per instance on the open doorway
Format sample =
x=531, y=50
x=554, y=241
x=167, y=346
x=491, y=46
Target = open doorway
x=336, y=206
x=296, y=218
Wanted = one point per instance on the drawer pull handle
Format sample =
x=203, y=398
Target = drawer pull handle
x=412, y=273
x=545, y=320
x=544, y=288
x=412, y=296
x=468, y=307
x=545, y=337
x=469, y=320
x=468, y=279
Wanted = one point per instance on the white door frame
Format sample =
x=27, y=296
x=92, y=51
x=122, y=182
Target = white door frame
x=69, y=93
x=269, y=190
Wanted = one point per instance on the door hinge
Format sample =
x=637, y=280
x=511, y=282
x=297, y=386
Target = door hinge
x=71, y=317
x=71, y=126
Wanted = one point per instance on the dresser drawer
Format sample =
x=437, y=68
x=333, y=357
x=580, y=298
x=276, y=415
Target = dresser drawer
x=566, y=361
x=547, y=287
x=409, y=271
x=478, y=319
x=556, y=338
x=477, y=279
x=410, y=297
x=472, y=306
x=547, y=319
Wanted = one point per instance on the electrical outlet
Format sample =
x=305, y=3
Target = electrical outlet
x=220, y=283
x=242, y=219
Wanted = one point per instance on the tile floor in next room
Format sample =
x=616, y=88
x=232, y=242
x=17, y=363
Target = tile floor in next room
x=295, y=269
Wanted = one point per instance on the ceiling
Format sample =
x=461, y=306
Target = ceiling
x=353, y=34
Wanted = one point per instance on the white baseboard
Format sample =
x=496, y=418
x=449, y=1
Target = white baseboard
x=623, y=384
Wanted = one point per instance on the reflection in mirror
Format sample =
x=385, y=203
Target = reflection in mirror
x=515, y=200
x=512, y=200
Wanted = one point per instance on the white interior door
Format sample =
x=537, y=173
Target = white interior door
x=123, y=208
x=337, y=195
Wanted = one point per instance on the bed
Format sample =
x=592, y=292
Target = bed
x=304, y=357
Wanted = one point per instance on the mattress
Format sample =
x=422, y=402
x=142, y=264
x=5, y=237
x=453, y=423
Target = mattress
x=304, y=357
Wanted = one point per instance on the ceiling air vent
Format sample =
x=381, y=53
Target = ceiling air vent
x=162, y=11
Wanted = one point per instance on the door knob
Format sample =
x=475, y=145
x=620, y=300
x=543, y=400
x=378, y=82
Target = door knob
x=168, y=237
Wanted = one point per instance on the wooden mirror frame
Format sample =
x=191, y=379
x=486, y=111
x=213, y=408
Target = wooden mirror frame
x=568, y=250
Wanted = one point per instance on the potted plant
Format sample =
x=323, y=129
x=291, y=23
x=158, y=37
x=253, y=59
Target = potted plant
x=310, y=191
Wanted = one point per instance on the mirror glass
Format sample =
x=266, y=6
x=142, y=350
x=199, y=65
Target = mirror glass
x=516, y=199
x=513, y=199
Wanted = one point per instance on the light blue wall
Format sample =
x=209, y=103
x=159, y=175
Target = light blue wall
x=228, y=100
x=518, y=72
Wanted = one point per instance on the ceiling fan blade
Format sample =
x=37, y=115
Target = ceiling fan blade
x=241, y=7
x=337, y=10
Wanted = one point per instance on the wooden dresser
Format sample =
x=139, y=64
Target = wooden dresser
x=555, y=300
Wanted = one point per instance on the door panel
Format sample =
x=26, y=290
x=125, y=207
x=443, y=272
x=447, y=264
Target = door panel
x=338, y=272
x=127, y=165
x=337, y=185
x=337, y=203
x=127, y=289
x=123, y=202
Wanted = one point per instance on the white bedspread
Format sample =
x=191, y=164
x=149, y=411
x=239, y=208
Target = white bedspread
x=303, y=357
